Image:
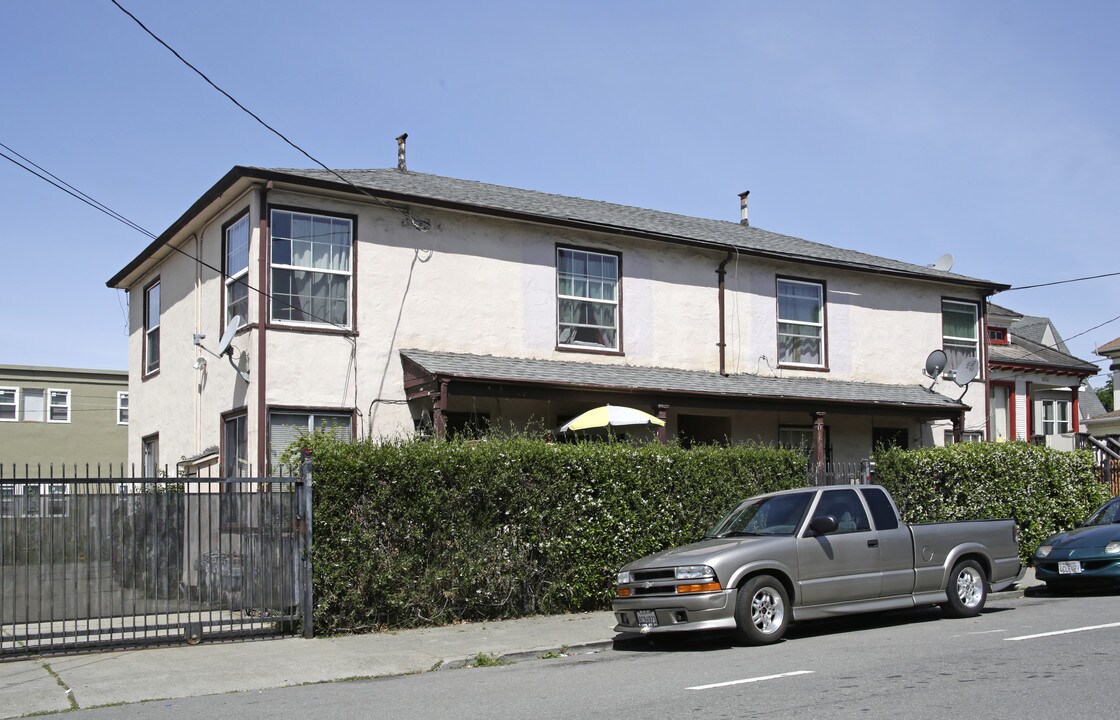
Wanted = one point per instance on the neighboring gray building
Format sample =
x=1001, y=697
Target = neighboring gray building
x=51, y=417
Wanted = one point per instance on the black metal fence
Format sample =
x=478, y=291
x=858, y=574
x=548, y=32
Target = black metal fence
x=97, y=562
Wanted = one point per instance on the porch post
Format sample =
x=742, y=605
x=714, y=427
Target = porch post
x=663, y=431
x=1075, y=408
x=819, y=449
x=439, y=411
x=958, y=428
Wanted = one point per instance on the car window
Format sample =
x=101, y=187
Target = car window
x=881, y=510
x=845, y=507
x=777, y=515
x=1106, y=515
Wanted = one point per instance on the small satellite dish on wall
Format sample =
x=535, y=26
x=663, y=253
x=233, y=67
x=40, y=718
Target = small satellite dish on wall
x=227, y=337
x=943, y=263
x=966, y=371
x=935, y=363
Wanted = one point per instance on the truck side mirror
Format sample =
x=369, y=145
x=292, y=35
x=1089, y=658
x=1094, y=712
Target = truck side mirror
x=823, y=524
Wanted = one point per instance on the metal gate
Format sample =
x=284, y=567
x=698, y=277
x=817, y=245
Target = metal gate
x=113, y=562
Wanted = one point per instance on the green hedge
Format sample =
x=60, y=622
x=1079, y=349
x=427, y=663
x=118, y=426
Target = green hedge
x=421, y=533
x=1044, y=490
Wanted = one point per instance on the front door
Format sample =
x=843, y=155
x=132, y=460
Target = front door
x=842, y=565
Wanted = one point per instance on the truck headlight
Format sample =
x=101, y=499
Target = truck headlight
x=694, y=572
x=1112, y=548
x=1043, y=550
x=625, y=578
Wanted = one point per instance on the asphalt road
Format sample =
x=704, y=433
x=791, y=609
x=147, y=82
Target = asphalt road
x=1035, y=656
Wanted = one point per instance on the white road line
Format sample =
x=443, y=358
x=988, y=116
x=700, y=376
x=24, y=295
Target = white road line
x=1064, y=632
x=751, y=680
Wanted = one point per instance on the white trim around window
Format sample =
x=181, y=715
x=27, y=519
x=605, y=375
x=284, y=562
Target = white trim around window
x=801, y=336
x=588, y=308
x=1055, y=418
x=236, y=270
x=9, y=404
x=122, y=408
x=151, y=327
x=58, y=406
x=960, y=331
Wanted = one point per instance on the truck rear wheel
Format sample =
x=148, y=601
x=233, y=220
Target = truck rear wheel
x=967, y=591
x=761, y=611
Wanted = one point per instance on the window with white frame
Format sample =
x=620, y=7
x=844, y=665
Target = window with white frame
x=284, y=428
x=33, y=405
x=968, y=436
x=237, y=268
x=235, y=446
x=151, y=328
x=587, y=299
x=800, y=323
x=9, y=404
x=311, y=268
x=58, y=410
x=959, y=330
x=122, y=408
x=1055, y=417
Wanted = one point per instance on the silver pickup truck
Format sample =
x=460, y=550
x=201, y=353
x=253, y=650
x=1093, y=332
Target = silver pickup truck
x=814, y=553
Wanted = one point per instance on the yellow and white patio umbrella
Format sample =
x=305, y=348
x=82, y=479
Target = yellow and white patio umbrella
x=610, y=416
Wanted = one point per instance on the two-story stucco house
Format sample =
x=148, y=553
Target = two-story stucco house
x=385, y=302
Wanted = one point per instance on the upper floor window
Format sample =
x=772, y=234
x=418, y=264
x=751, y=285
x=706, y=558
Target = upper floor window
x=59, y=409
x=9, y=399
x=1055, y=417
x=311, y=268
x=800, y=323
x=587, y=299
x=151, y=328
x=959, y=323
x=237, y=268
x=33, y=405
x=122, y=408
x=998, y=336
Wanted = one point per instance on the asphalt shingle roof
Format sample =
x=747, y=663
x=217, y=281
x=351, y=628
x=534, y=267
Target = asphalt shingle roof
x=671, y=380
x=612, y=217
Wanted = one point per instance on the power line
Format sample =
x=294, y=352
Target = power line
x=52, y=179
x=419, y=225
x=1062, y=282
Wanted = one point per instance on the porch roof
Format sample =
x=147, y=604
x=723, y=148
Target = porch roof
x=488, y=375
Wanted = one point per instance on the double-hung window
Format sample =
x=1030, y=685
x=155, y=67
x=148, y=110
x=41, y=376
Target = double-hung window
x=9, y=399
x=122, y=408
x=587, y=299
x=59, y=409
x=1055, y=417
x=800, y=323
x=311, y=268
x=960, y=330
x=237, y=268
x=151, y=328
x=149, y=456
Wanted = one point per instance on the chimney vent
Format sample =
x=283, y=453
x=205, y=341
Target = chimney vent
x=743, y=207
x=400, y=152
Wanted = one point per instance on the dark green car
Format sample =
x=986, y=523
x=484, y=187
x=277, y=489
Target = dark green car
x=1087, y=556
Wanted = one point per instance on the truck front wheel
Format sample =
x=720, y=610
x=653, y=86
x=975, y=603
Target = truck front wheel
x=761, y=611
x=967, y=591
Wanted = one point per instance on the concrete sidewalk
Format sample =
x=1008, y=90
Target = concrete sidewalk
x=67, y=682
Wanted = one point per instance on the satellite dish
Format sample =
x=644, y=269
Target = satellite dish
x=935, y=363
x=966, y=371
x=227, y=336
x=943, y=263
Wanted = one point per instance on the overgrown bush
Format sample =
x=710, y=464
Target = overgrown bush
x=1044, y=490
x=420, y=533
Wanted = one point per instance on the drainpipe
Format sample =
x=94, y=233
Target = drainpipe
x=259, y=374
x=721, y=271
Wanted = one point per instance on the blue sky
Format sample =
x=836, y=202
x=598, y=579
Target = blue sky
x=903, y=129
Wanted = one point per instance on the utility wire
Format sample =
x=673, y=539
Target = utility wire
x=419, y=225
x=1062, y=282
x=52, y=179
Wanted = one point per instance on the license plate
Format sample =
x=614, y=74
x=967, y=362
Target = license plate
x=1071, y=567
x=647, y=618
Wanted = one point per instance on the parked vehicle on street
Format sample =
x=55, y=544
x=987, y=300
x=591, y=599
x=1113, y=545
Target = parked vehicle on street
x=1085, y=557
x=814, y=553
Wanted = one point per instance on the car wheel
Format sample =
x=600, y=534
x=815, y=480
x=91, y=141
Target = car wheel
x=968, y=590
x=761, y=611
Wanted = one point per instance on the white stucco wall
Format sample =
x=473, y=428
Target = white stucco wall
x=485, y=286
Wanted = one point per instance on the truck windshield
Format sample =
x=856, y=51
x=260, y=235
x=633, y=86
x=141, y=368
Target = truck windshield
x=778, y=515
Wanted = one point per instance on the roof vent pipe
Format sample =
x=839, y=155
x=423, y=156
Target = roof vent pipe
x=743, y=207
x=400, y=152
